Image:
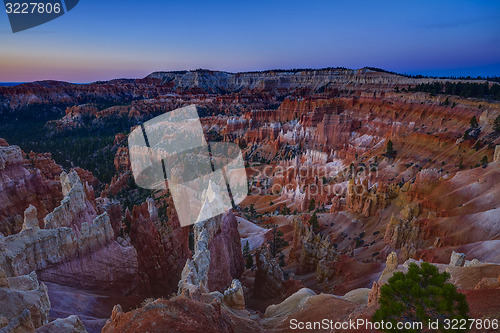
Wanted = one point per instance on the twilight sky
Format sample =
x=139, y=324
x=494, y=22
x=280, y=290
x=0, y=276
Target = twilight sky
x=105, y=39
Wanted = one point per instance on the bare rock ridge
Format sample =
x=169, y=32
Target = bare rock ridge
x=217, y=258
x=75, y=207
x=208, y=287
x=215, y=82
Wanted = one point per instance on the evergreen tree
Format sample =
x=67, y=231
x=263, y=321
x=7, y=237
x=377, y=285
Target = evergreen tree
x=247, y=255
x=285, y=210
x=278, y=242
x=390, y=149
x=249, y=261
x=246, y=249
x=484, y=161
x=420, y=295
x=312, y=205
x=496, y=124
x=281, y=260
x=313, y=221
x=473, y=122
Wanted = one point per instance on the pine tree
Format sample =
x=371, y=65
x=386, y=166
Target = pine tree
x=496, y=125
x=246, y=249
x=278, y=242
x=313, y=221
x=390, y=149
x=421, y=295
x=484, y=161
x=247, y=255
x=249, y=261
x=473, y=122
x=312, y=205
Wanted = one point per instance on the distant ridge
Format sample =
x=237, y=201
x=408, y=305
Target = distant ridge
x=323, y=69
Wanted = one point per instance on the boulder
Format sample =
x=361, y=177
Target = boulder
x=457, y=259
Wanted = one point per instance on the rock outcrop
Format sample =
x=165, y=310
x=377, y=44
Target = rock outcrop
x=363, y=200
x=73, y=229
x=457, y=259
x=404, y=231
x=162, y=248
x=76, y=207
x=25, y=303
x=30, y=218
x=310, y=248
x=217, y=258
x=72, y=324
x=269, y=277
x=234, y=296
x=177, y=315
x=24, y=183
x=35, y=249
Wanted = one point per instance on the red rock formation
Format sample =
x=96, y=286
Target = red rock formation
x=119, y=139
x=118, y=183
x=46, y=165
x=22, y=183
x=226, y=261
x=177, y=315
x=87, y=177
x=122, y=160
x=162, y=250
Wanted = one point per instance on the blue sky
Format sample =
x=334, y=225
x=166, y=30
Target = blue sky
x=100, y=40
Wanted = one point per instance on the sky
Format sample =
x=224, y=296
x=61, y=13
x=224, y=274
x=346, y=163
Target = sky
x=106, y=39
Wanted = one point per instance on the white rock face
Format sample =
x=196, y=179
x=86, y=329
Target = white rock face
x=291, y=305
x=194, y=276
x=391, y=262
x=472, y=263
x=34, y=249
x=73, y=205
x=222, y=81
x=457, y=259
x=212, y=203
